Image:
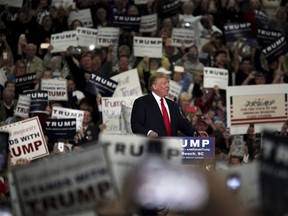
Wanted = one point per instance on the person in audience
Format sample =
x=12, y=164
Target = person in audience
x=7, y=104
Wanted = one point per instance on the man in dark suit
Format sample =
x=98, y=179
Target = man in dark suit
x=146, y=117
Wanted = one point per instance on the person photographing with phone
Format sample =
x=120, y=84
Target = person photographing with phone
x=155, y=116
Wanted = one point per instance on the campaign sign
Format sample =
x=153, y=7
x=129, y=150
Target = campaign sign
x=148, y=23
x=126, y=151
x=275, y=49
x=61, y=41
x=147, y=46
x=170, y=8
x=274, y=174
x=26, y=139
x=60, y=129
x=23, y=106
x=267, y=36
x=215, y=76
x=198, y=148
x=66, y=113
x=236, y=31
x=98, y=84
x=57, y=89
x=86, y=37
x=107, y=36
x=38, y=101
x=64, y=184
x=127, y=22
x=25, y=82
x=84, y=15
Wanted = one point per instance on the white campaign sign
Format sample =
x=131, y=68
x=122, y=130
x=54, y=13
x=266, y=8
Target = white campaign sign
x=83, y=15
x=26, y=139
x=60, y=112
x=147, y=46
x=57, y=89
x=215, y=76
x=128, y=84
x=107, y=36
x=126, y=151
x=182, y=36
x=86, y=36
x=23, y=106
x=148, y=23
x=61, y=41
x=111, y=112
x=75, y=181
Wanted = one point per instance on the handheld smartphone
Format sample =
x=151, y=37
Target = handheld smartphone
x=61, y=146
x=44, y=45
x=5, y=55
x=4, y=150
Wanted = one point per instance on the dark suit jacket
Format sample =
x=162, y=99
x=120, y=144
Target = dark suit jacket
x=146, y=115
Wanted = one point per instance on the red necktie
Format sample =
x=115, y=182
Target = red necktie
x=166, y=118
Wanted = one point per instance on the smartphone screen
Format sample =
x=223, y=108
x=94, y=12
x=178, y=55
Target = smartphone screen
x=4, y=150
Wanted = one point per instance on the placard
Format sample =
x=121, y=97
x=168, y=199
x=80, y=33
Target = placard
x=174, y=90
x=236, y=31
x=265, y=37
x=83, y=15
x=61, y=112
x=63, y=3
x=182, y=37
x=99, y=84
x=25, y=82
x=12, y=3
x=148, y=23
x=215, y=76
x=61, y=41
x=275, y=49
x=147, y=46
x=63, y=185
x=128, y=84
x=127, y=22
x=56, y=88
x=26, y=140
x=235, y=96
x=107, y=36
x=60, y=129
x=86, y=36
x=23, y=106
x=38, y=101
x=111, y=112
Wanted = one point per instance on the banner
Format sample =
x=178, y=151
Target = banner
x=128, y=84
x=182, y=36
x=174, y=90
x=107, y=36
x=26, y=139
x=56, y=88
x=261, y=18
x=148, y=23
x=86, y=36
x=60, y=129
x=277, y=48
x=127, y=22
x=111, y=112
x=147, y=46
x=83, y=15
x=25, y=82
x=215, y=76
x=38, y=101
x=64, y=184
x=23, y=106
x=236, y=31
x=264, y=105
x=66, y=113
x=98, y=84
x=61, y=41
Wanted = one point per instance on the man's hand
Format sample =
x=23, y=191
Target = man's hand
x=152, y=134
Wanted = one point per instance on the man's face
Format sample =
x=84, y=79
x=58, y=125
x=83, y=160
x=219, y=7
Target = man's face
x=161, y=87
